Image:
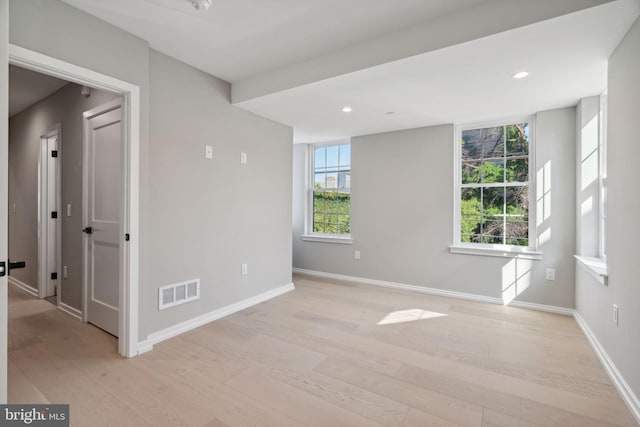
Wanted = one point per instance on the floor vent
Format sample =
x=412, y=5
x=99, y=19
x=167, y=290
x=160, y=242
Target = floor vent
x=178, y=293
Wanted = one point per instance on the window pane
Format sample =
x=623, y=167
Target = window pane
x=319, y=158
x=332, y=180
x=471, y=146
x=332, y=158
x=518, y=169
x=345, y=157
x=344, y=203
x=492, y=171
x=471, y=172
x=319, y=180
x=493, y=231
x=492, y=201
x=319, y=201
x=517, y=201
x=518, y=139
x=344, y=226
x=344, y=180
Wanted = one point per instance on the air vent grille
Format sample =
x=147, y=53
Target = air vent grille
x=178, y=293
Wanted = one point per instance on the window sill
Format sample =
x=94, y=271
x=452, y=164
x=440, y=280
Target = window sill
x=327, y=238
x=596, y=267
x=496, y=251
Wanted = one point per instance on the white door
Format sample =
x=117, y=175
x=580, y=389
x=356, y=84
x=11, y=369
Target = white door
x=50, y=215
x=103, y=186
x=4, y=185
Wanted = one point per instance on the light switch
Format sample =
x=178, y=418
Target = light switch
x=243, y=158
x=208, y=152
x=69, y=209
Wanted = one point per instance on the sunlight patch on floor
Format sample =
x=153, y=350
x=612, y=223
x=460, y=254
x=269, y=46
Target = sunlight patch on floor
x=403, y=316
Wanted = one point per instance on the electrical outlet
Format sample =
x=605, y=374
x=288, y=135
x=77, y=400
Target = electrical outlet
x=615, y=314
x=244, y=269
x=356, y=255
x=243, y=158
x=551, y=274
x=65, y=272
x=208, y=152
x=14, y=208
x=69, y=210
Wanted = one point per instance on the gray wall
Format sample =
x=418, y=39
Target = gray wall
x=210, y=216
x=197, y=219
x=402, y=213
x=25, y=128
x=594, y=301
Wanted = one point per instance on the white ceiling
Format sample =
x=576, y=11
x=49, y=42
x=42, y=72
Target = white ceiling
x=566, y=58
x=28, y=87
x=429, y=61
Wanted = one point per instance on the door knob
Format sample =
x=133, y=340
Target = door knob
x=87, y=230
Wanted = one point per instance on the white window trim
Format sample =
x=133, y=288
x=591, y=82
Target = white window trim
x=512, y=251
x=309, y=235
x=596, y=267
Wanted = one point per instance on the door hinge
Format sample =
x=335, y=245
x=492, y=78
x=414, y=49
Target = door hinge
x=54, y=215
x=54, y=276
x=126, y=237
x=54, y=153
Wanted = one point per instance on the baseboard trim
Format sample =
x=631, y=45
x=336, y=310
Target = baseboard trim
x=27, y=288
x=402, y=286
x=180, y=328
x=625, y=391
x=541, y=307
x=73, y=312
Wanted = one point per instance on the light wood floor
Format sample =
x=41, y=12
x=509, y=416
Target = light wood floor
x=319, y=357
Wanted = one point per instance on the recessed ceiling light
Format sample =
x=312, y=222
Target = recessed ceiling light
x=520, y=75
x=347, y=109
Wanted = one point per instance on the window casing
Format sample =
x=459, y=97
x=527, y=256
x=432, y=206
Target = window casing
x=329, y=190
x=493, y=176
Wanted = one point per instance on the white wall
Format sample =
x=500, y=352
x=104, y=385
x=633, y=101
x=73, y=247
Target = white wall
x=402, y=217
x=197, y=219
x=64, y=107
x=594, y=301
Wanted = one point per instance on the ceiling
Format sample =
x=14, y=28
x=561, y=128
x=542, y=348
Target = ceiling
x=427, y=62
x=28, y=87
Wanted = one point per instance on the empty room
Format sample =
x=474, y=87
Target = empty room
x=319, y=213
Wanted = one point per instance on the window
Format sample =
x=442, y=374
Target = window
x=493, y=170
x=330, y=190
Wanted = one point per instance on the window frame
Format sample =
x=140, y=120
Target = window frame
x=309, y=234
x=489, y=249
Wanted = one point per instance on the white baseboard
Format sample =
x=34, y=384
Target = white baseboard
x=542, y=307
x=27, y=288
x=438, y=292
x=625, y=391
x=156, y=337
x=73, y=312
x=402, y=286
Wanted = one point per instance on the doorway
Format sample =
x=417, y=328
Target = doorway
x=127, y=234
x=49, y=215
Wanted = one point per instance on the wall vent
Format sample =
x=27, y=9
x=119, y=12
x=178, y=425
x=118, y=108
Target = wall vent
x=178, y=293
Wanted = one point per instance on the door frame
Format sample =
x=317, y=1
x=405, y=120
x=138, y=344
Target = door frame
x=129, y=252
x=86, y=129
x=43, y=214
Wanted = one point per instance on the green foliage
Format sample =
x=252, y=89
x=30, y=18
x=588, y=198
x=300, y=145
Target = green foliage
x=331, y=212
x=496, y=215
